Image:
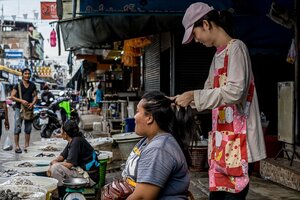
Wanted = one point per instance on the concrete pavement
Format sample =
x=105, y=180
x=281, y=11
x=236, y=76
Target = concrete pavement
x=260, y=189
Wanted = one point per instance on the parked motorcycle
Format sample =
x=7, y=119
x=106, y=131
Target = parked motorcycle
x=49, y=121
x=36, y=116
x=58, y=112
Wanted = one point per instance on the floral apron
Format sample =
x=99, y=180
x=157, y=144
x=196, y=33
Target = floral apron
x=227, y=148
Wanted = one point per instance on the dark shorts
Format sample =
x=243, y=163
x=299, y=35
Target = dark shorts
x=100, y=105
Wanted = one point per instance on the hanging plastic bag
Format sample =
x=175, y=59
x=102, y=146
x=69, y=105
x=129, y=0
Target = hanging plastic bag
x=53, y=38
x=7, y=146
x=292, y=53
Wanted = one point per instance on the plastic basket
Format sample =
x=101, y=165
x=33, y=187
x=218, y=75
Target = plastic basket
x=93, y=104
x=199, y=159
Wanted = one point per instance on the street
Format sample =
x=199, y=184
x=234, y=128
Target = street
x=11, y=155
x=259, y=188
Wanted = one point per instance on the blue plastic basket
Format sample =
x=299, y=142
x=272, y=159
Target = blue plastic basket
x=129, y=125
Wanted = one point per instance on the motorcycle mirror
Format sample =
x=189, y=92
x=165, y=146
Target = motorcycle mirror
x=61, y=93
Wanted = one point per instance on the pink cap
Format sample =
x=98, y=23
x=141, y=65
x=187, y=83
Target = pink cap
x=194, y=12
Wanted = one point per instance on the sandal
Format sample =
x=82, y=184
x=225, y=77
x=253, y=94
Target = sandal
x=25, y=150
x=18, y=150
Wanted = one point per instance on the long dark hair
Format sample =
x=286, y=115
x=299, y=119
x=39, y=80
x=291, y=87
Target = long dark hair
x=179, y=122
x=72, y=129
x=222, y=18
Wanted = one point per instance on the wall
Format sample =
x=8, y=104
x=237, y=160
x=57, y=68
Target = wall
x=14, y=37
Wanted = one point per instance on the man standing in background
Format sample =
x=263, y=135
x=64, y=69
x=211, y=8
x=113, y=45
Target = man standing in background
x=99, y=97
x=27, y=100
x=90, y=96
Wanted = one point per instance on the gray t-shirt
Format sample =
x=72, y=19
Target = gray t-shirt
x=161, y=163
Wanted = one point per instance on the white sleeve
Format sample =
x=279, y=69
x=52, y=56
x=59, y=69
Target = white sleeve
x=238, y=77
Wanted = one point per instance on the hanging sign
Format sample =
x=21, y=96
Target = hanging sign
x=13, y=53
x=48, y=10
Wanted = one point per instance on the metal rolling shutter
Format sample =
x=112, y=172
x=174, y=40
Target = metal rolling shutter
x=192, y=63
x=152, y=65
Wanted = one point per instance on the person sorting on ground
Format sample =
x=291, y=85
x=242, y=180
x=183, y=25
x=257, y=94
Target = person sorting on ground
x=78, y=159
x=157, y=167
x=236, y=140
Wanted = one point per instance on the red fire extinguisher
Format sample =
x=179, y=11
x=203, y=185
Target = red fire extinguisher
x=53, y=38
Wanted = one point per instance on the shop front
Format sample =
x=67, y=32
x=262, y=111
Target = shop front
x=169, y=66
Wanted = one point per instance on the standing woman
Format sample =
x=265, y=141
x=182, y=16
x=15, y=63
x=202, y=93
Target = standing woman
x=99, y=96
x=236, y=140
x=90, y=96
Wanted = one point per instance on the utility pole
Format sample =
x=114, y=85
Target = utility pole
x=297, y=72
x=1, y=35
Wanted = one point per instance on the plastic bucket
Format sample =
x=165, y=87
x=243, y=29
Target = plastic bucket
x=129, y=124
x=103, y=159
x=50, y=184
x=126, y=147
x=126, y=142
x=35, y=193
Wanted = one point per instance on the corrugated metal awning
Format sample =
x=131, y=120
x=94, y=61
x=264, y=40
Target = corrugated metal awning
x=95, y=31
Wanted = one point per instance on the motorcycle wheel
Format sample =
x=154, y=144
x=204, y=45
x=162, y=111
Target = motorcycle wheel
x=46, y=133
x=36, y=123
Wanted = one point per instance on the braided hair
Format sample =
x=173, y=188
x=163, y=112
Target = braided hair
x=179, y=122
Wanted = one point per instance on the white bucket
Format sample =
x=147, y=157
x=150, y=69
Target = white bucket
x=126, y=142
x=51, y=141
x=48, y=183
x=32, y=192
x=39, y=166
x=97, y=126
x=39, y=155
x=105, y=155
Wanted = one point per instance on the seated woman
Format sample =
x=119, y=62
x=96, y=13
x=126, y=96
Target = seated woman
x=78, y=159
x=158, y=165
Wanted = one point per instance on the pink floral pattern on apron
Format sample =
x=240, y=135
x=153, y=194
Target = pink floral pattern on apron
x=227, y=147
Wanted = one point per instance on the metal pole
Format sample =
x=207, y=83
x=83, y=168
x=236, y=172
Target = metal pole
x=297, y=136
x=74, y=8
x=296, y=87
x=172, y=66
x=141, y=73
